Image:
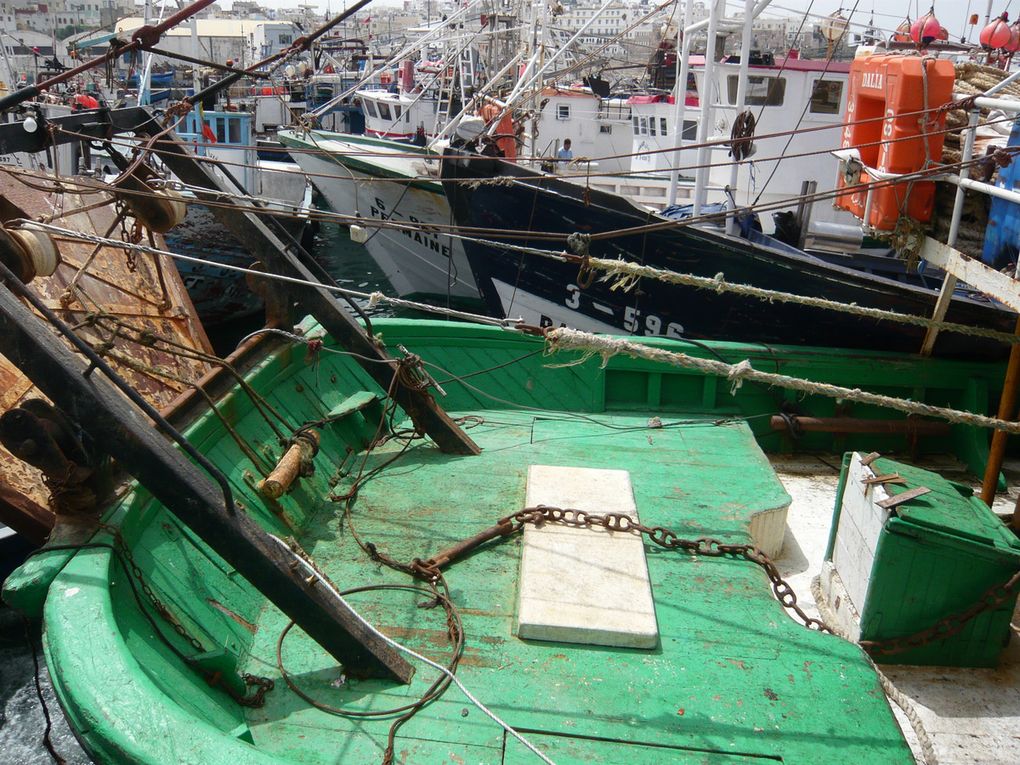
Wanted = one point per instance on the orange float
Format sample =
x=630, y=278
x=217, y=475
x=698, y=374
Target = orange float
x=504, y=129
x=883, y=123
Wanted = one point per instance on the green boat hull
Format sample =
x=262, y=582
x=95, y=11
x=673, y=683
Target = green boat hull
x=732, y=680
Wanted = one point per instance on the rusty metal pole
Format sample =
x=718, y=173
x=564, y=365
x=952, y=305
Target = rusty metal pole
x=1007, y=411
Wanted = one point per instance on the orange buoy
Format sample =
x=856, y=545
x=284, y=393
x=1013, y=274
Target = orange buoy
x=505, y=134
x=883, y=124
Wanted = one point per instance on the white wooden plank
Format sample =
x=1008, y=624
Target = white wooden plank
x=584, y=585
x=1000, y=286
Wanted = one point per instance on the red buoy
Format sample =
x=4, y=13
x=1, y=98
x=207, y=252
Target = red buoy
x=1014, y=39
x=926, y=29
x=997, y=34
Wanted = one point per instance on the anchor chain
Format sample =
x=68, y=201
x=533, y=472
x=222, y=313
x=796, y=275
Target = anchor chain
x=261, y=685
x=429, y=570
x=947, y=626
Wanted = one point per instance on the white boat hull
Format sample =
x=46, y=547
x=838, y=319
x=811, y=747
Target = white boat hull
x=419, y=261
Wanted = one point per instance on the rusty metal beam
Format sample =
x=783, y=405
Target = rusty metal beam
x=909, y=426
x=280, y=255
x=1007, y=411
x=26, y=516
x=128, y=435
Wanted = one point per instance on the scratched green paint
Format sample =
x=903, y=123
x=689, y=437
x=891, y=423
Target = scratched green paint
x=734, y=678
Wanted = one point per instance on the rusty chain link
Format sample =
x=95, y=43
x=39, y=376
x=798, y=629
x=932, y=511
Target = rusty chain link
x=948, y=626
x=262, y=685
x=430, y=569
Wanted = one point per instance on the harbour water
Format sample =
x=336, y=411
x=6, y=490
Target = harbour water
x=347, y=262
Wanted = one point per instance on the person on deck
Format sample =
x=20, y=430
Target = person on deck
x=565, y=154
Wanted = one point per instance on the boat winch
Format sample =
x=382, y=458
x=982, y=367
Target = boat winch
x=894, y=128
x=159, y=210
x=28, y=253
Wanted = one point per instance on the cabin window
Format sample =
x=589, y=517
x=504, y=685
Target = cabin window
x=286, y=39
x=761, y=91
x=636, y=131
x=370, y=108
x=662, y=126
x=606, y=129
x=826, y=96
x=642, y=126
x=651, y=125
x=234, y=131
x=384, y=111
x=396, y=111
x=221, y=130
x=690, y=130
x=563, y=111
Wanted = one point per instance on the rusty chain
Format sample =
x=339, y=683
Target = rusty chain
x=429, y=570
x=709, y=547
x=948, y=626
x=261, y=685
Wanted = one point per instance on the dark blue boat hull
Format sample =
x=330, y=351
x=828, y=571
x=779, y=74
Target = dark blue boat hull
x=557, y=294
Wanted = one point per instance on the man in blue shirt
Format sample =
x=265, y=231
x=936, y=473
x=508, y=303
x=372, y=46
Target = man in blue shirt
x=565, y=154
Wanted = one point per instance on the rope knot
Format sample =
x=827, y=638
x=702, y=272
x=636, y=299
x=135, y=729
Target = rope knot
x=737, y=374
x=720, y=282
x=579, y=243
x=374, y=299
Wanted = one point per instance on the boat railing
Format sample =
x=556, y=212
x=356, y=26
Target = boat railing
x=956, y=265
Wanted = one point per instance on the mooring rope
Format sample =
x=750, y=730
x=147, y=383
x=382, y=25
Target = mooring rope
x=900, y=699
x=565, y=339
x=626, y=273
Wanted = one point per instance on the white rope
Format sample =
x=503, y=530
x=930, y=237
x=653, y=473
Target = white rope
x=900, y=699
x=604, y=346
x=374, y=298
x=414, y=654
x=626, y=273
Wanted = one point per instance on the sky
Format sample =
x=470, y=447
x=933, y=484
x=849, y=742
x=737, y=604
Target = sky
x=887, y=13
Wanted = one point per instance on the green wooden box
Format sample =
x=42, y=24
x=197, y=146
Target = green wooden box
x=932, y=557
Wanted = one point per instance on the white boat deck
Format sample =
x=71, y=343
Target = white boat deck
x=972, y=716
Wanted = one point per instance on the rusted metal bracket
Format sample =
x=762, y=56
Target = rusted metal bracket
x=867, y=459
x=128, y=435
x=884, y=479
x=899, y=499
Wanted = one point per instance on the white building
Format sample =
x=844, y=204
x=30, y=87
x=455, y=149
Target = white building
x=242, y=41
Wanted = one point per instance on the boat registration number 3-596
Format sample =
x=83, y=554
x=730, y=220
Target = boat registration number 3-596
x=632, y=320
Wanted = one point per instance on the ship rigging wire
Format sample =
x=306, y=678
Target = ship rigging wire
x=83, y=183
x=807, y=105
x=719, y=143
x=594, y=344
x=932, y=173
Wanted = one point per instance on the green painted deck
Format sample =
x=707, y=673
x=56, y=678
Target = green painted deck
x=733, y=674
x=733, y=680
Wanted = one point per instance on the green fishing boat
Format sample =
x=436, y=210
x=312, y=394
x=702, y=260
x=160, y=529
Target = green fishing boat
x=590, y=644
